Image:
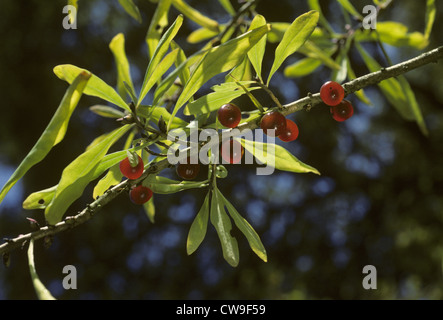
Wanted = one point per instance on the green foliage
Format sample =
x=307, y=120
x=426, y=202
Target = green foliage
x=40, y=289
x=233, y=51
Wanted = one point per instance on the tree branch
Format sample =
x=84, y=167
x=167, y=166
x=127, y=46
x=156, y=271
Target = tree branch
x=308, y=101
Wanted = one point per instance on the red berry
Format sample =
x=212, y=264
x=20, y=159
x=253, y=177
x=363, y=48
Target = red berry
x=291, y=132
x=342, y=111
x=131, y=172
x=232, y=151
x=273, y=120
x=332, y=93
x=229, y=115
x=140, y=194
x=187, y=171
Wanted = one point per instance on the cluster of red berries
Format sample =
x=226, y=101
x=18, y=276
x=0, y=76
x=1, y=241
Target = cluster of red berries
x=229, y=115
x=332, y=94
x=133, y=170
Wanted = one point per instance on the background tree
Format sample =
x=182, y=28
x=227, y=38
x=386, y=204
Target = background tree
x=377, y=201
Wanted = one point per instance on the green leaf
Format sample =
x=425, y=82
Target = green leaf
x=149, y=208
x=249, y=232
x=117, y=46
x=213, y=101
x=106, y=111
x=162, y=185
x=360, y=93
x=257, y=52
x=217, y=60
x=431, y=11
x=54, y=132
x=397, y=92
x=197, y=232
x=195, y=15
x=294, y=37
x=315, y=5
x=131, y=9
x=158, y=55
x=40, y=199
x=220, y=220
x=40, y=289
x=158, y=23
x=181, y=58
x=77, y=175
x=200, y=35
x=277, y=157
x=226, y=4
x=311, y=50
x=158, y=72
x=350, y=8
x=393, y=33
x=96, y=87
x=302, y=67
x=73, y=16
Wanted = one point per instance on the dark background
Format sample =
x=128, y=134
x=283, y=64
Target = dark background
x=378, y=201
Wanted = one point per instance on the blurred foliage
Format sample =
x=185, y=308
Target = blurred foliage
x=378, y=201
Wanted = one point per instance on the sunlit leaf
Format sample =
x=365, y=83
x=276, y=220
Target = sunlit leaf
x=159, y=53
x=131, y=9
x=117, y=46
x=158, y=72
x=226, y=4
x=200, y=35
x=220, y=220
x=106, y=111
x=197, y=232
x=393, y=33
x=42, y=292
x=294, y=37
x=302, y=67
x=195, y=15
x=397, y=92
x=96, y=87
x=257, y=52
x=249, y=232
x=54, y=132
x=77, y=175
x=158, y=22
x=163, y=185
x=315, y=5
x=276, y=156
x=213, y=101
x=431, y=11
x=349, y=7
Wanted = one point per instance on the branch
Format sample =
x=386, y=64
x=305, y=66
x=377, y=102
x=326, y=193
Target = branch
x=308, y=101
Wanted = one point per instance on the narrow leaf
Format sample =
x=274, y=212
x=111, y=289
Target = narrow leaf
x=40, y=289
x=213, y=101
x=54, y=132
x=106, y=111
x=162, y=185
x=277, y=157
x=158, y=23
x=302, y=67
x=431, y=11
x=219, y=59
x=294, y=37
x=77, y=175
x=131, y=9
x=220, y=220
x=195, y=15
x=96, y=87
x=257, y=52
x=197, y=232
x=350, y=8
x=158, y=55
x=397, y=92
x=149, y=208
x=226, y=4
x=117, y=46
x=249, y=232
